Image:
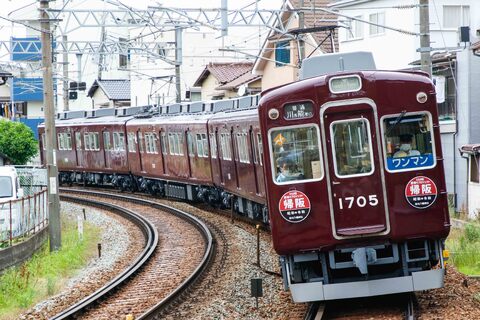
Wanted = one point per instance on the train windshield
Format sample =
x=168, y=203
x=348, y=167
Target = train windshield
x=408, y=142
x=296, y=154
x=5, y=187
x=352, y=147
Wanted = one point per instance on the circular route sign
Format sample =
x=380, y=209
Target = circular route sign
x=294, y=206
x=421, y=192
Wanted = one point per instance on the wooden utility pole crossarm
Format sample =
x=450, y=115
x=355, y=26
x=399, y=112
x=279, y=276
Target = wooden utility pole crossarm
x=50, y=133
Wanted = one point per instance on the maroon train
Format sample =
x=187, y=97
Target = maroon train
x=348, y=164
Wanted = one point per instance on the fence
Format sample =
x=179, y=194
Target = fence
x=23, y=217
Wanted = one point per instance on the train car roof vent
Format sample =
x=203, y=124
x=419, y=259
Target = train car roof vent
x=100, y=113
x=174, y=108
x=245, y=102
x=336, y=62
x=197, y=106
x=222, y=105
x=128, y=111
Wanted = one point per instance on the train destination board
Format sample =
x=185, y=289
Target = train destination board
x=294, y=111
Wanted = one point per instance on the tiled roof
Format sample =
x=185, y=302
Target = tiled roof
x=243, y=79
x=116, y=89
x=317, y=18
x=224, y=71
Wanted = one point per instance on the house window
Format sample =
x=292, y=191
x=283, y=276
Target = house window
x=456, y=16
x=282, y=53
x=379, y=19
x=354, y=29
x=446, y=108
x=474, y=177
x=123, y=58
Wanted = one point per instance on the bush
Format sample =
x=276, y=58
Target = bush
x=17, y=142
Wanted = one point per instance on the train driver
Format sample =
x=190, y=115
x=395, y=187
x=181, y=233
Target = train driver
x=286, y=167
x=406, y=147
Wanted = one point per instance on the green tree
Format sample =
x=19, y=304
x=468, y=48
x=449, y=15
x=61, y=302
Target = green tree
x=17, y=141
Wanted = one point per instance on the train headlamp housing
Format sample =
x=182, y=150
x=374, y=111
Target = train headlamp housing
x=343, y=84
x=273, y=114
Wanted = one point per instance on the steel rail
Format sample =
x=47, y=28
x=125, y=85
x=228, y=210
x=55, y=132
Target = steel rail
x=151, y=232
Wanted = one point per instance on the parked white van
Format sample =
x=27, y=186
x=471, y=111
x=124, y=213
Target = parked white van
x=9, y=190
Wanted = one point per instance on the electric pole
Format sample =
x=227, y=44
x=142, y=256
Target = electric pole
x=178, y=61
x=66, y=100
x=425, y=49
x=300, y=42
x=54, y=226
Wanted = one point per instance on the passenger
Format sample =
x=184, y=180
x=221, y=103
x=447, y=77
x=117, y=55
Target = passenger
x=284, y=173
x=406, y=147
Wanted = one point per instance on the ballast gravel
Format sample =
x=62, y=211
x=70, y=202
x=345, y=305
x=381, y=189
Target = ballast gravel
x=117, y=243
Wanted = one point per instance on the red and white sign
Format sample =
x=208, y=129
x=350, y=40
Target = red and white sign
x=294, y=206
x=421, y=192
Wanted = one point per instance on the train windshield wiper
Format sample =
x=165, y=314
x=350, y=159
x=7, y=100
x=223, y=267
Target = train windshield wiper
x=397, y=121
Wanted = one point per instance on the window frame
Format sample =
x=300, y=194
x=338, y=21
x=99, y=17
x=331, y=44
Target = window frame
x=380, y=30
x=355, y=30
x=384, y=143
x=334, y=158
x=272, y=160
x=107, y=145
x=213, y=145
x=226, y=144
x=462, y=16
x=282, y=51
x=131, y=142
x=78, y=140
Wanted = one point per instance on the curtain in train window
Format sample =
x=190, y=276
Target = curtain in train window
x=295, y=154
x=352, y=148
x=408, y=142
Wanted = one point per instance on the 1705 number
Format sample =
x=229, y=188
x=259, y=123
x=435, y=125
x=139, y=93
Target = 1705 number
x=360, y=201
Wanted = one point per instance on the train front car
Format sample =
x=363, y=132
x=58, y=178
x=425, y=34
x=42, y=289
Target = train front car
x=356, y=190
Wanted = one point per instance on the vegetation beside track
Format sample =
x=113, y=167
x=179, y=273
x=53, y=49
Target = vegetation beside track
x=45, y=274
x=464, y=245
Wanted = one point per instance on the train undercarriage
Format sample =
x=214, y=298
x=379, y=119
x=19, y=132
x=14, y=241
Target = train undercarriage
x=211, y=195
x=364, y=271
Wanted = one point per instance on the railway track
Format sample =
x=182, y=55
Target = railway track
x=399, y=306
x=155, y=273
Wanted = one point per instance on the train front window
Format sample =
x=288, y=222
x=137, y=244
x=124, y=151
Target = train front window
x=408, y=142
x=352, y=147
x=295, y=154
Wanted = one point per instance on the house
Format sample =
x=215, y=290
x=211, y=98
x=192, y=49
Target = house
x=279, y=60
x=222, y=80
x=110, y=93
x=391, y=33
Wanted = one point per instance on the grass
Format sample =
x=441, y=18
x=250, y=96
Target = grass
x=465, y=248
x=46, y=273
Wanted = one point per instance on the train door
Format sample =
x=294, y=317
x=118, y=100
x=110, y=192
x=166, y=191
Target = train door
x=218, y=139
x=163, y=148
x=78, y=149
x=355, y=172
x=140, y=149
x=254, y=156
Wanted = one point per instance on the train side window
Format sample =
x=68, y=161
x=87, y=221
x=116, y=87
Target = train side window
x=78, y=140
x=68, y=141
x=190, y=144
x=226, y=143
x=408, y=141
x=96, y=142
x=200, y=145
x=86, y=138
x=295, y=154
x=260, y=148
x=131, y=142
x=242, y=148
x=163, y=140
x=60, y=141
x=179, y=141
x=118, y=141
x=352, y=147
x=106, y=141
x=213, y=145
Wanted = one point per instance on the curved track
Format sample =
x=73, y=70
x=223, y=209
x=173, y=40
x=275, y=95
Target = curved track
x=142, y=280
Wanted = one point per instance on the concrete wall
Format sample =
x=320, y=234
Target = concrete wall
x=100, y=99
x=18, y=253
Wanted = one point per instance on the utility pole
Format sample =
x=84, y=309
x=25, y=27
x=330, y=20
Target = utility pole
x=178, y=61
x=300, y=42
x=425, y=49
x=66, y=99
x=54, y=225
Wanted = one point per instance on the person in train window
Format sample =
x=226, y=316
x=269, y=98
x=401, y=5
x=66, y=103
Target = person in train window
x=284, y=173
x=406, y=147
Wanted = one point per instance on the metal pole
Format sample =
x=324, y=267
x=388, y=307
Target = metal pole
x=258, y=247
x=50, y=136
x=66, y=101
x=178, y=61
x=425, y=49
x=301, y=43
